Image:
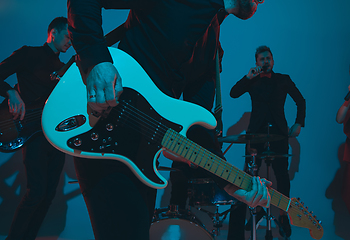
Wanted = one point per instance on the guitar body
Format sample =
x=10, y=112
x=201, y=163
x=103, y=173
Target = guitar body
x=15, y=133
x=126, y=134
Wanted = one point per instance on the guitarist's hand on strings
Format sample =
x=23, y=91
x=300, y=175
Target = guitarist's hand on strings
x=104, y=86
x=16, y=104
x=258, y=196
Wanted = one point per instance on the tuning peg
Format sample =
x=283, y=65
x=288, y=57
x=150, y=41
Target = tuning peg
x=302, y=203
x=319, y=221
x=298, y=198
x=315, y=216
x=311, y=212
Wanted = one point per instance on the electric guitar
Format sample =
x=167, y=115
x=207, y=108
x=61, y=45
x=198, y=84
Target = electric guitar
x=151, y=121
x=14, y=134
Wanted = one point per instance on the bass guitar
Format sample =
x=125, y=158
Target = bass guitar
x=146, y=119
x=14, y=134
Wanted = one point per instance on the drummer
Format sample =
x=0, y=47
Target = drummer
x=268, y=91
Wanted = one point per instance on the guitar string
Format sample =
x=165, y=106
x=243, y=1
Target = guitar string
x=147, y=121
x=12, y=126
x=30, y=117
x=140, y=115
x=140, y=121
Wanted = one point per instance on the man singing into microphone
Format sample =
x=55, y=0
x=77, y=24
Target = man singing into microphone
x=268, y=91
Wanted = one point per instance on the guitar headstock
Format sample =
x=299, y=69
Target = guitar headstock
x=301, y=217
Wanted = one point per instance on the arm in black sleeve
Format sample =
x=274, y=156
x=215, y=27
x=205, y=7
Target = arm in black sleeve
x=241, y=87
x=299, y=100
x=85, y=31
x=9, y=66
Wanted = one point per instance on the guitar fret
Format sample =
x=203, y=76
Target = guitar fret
x=203, y=153
x=243, y=179
x=228, y=172
x=183, y=147
x=280, y=198
x=206, y=163
x=194, y=154
x=221, y=168
x=198, y=155
x=189, y=152
x=167, y=140
x=187, y=148
x=210, y=164
x=234, y=180
x=179, y=145
x=218, y=165
x=175, y=138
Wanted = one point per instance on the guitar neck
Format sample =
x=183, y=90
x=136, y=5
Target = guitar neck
x=189, y=150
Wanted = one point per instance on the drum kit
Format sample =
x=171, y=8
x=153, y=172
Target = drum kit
x=268, y=156
x=173, y=223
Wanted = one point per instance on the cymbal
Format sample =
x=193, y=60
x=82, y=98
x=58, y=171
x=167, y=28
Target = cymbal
x=251, y=138
x=270, y=155
x=275, y=156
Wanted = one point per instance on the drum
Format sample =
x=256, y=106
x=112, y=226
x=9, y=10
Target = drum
x=179, y=225
x=205, y=192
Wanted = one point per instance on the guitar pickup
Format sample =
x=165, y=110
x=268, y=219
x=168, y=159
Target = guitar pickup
x=71, y=123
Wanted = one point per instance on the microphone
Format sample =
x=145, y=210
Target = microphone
x=263, y=69
x=347, y=97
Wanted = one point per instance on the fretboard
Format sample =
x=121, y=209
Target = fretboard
x=191, y=151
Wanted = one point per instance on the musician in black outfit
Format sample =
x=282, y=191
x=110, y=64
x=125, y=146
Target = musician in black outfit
x=268, y=91
x=175, y=42
x=43, y=163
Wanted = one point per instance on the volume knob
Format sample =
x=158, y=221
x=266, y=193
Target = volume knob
x=77, y=142
x=94, y=136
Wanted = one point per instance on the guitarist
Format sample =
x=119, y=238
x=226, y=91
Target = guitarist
x=163, y=37
x=43, y=163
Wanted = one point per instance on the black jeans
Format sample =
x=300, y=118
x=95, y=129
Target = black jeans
x=43, y=165
x=120, y=206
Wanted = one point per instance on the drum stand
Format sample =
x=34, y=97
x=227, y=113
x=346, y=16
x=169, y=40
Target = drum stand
x=268, y=157
x=269, y=217
x=253, y=169
x=215, y=217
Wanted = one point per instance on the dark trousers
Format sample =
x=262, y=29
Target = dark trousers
x=43, y=165
x=120, y=206
x=280, y=168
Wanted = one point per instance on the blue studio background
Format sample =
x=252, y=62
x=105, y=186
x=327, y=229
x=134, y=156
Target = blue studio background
x=310, y=41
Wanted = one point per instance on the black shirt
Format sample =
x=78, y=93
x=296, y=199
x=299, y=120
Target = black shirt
x=268, y=97
x=33, y=66
x=174, y=41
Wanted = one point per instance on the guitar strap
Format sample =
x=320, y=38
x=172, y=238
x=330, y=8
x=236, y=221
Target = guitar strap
x=218, y=105
x=112, y=38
